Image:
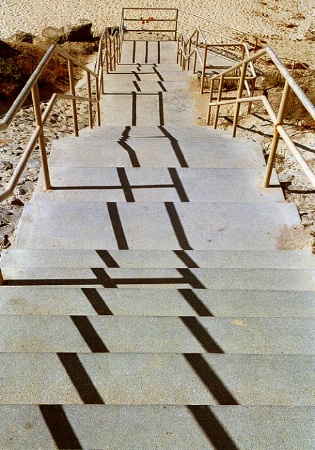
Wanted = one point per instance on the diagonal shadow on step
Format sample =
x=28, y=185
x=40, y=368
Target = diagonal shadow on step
x=89, y=334
x=123, y=142
x=60, y=427
x=201, y=334
x=80, y=379
x=117, y=226
x=177, y=226
x=97, y=302
x=194, y=301
x=175, y=146
x=210, y=379
x=212, y=427
x=186, y=259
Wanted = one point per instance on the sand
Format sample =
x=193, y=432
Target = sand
x=283, y=24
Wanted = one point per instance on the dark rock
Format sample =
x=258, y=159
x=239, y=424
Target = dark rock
x=22, y=36
x=17, y=202
x=310, y=34
x=77, y=32
x=6, y=51
x=5, y=243
x=80, y=32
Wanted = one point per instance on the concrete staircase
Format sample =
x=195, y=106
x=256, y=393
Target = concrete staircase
x=147, y=303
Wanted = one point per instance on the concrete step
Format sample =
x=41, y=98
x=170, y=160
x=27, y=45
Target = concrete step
x=158, y=184
x=149, y=52
x=148, y=379
x=144, y=82
x=179, y=133
x=181, y=278
x=152, y=108
x=161, y=426
x=153, y=259
x=73, y=225
x=136, y=334
x=152, y=152
x=39, y=300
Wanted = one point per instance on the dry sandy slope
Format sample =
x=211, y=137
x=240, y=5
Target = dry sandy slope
x=267, y=19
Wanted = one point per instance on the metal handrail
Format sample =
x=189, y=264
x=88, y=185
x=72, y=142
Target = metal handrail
x=109, y=53
x=212, y=21
x=277, y=119
x=173, y=19
x=41, y=118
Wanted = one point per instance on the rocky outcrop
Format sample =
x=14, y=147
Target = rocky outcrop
x=6, y=51
x=22, y=36
x=77, y=32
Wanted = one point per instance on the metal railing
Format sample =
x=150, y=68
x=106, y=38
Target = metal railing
x=187, y=48
x=109, y=52
x=151, y=20
x=193, y=46
x=276, y=118
x=218, y=32
x=41, y=117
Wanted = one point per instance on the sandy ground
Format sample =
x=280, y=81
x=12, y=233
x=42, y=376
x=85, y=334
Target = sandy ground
x=282, y=24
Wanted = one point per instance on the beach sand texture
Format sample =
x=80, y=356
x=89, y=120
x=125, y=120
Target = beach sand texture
x=282, y=23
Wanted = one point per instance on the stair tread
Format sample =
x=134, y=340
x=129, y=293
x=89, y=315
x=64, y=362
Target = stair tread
x=39, y=300
x=158, y=426
x=140, y=379
x=136, y=334
x=216, y=226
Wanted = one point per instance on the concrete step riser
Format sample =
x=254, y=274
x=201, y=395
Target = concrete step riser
x=133, y=259
x=181, y=278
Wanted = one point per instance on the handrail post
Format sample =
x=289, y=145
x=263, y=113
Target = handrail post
x=189, y=50
x=73, y=101
x=204, y=69
x=210, y=101
x=176, y=24
x=88, y=82
x=41, y=139
x=219, y=95
x=98, y=108
x=276, y=136
x=195, y=61
x=239, y=95
x=252, y=91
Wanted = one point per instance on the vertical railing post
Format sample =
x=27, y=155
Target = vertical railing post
x=189, y=50
x=195, y=61
x=176, y=24
x=98, y=108
x=73, y=101
x=182, y=49
x=88, y=76
x=203, y=75
x=252, y=91
x=210, y=101
x=219, y=95
x=41, y=139
x=276, y=136
x=239, y=95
